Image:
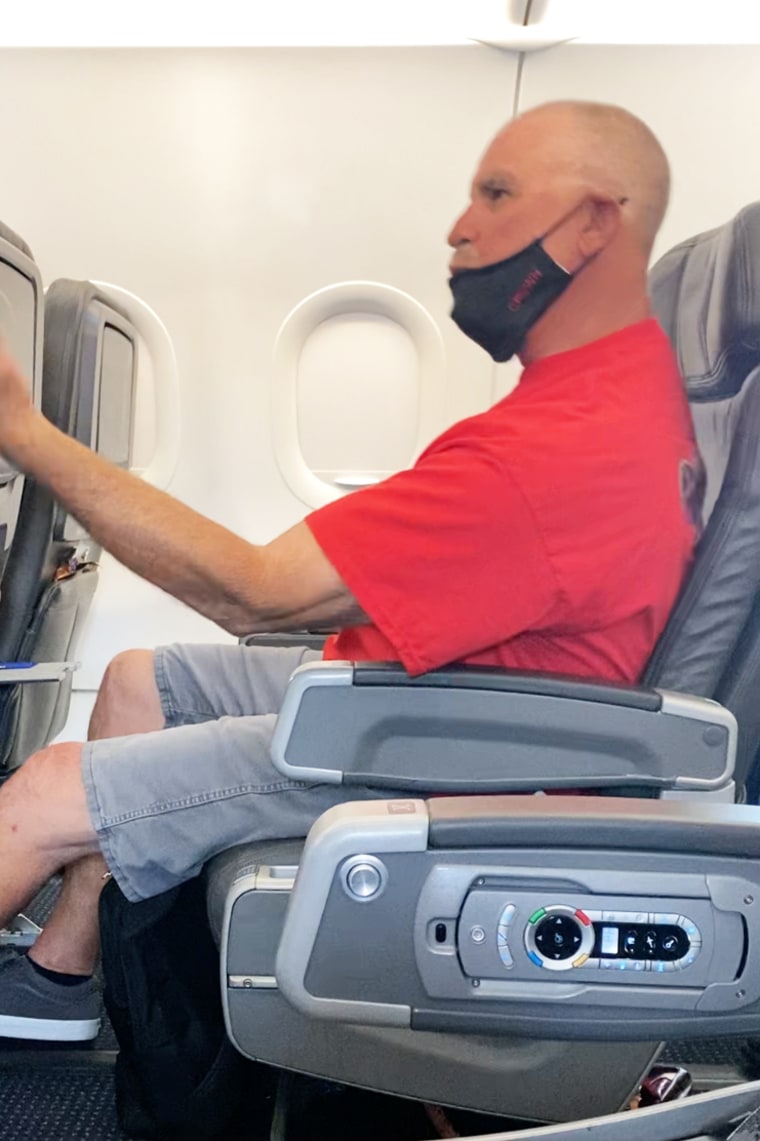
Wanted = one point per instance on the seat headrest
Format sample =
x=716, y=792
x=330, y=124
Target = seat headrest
x=10, y=236
x=706, y=294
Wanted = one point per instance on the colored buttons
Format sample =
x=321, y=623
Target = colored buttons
x=558, y=936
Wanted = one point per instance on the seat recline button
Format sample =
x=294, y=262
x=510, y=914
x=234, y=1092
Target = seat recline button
x=364, y=880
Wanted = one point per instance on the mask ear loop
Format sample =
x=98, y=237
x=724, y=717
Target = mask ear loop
x=540, y=241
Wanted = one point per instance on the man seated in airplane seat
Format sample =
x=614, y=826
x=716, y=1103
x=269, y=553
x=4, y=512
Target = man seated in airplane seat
x=549, y=533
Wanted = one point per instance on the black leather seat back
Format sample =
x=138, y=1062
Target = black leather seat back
x=706, y=293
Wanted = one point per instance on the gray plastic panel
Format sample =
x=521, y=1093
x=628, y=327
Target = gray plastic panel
x=391, y=827
x=406, y=946
x=689, y=825
x=494, y=1074
x=485, y=738
x=506, y=1075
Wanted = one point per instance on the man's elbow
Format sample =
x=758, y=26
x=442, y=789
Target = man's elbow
x=238, y=628
x=242, y=621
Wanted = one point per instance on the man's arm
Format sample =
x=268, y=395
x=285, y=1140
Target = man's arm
x=287, y=584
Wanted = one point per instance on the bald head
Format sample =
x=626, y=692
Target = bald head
x=604, y=149
x=590, y=183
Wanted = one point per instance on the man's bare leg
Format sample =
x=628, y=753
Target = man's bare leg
x=128, y=702
x=44, y=824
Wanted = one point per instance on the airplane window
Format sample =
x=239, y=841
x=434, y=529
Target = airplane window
x=358, y=396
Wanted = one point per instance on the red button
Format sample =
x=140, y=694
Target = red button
x=583, y=918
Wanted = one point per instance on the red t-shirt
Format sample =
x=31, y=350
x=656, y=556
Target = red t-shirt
x=550, y=533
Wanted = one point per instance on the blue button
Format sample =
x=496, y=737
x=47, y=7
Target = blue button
x=535, y=959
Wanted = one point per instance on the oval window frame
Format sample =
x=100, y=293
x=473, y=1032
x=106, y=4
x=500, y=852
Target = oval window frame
x=341, y=299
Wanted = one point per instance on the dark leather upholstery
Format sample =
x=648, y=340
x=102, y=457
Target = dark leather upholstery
x=706, y=292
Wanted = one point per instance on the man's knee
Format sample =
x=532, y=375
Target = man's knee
x=128, y=700
x=45, y=804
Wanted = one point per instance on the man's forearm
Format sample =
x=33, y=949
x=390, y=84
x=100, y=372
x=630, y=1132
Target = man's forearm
x=162, y=540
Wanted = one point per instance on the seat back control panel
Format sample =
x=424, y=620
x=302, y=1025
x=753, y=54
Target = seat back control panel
x=580, y=947
x=601, y=921
x=513, y=936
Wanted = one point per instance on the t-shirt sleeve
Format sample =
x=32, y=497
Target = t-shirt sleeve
x=445, y=559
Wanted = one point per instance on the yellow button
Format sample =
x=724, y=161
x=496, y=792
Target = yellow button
x=580, y=960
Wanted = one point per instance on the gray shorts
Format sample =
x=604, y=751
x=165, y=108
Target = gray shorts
x=163, y=803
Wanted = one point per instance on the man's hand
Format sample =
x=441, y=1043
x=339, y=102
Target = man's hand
x=16, y=409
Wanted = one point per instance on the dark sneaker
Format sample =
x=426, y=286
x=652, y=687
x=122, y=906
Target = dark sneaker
x=33, y=1007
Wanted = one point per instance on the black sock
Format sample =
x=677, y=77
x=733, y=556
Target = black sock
x=58, y=976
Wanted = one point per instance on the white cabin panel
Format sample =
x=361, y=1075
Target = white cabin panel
x=700, y=102
x=224, y=187
x=340, y=430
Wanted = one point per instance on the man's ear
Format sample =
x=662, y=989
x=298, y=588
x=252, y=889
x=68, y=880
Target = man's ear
x=601, y=223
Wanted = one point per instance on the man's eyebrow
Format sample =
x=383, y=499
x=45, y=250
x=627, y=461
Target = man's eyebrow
x=497, y=179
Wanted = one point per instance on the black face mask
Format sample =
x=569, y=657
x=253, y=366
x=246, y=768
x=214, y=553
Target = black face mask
x=497, y=304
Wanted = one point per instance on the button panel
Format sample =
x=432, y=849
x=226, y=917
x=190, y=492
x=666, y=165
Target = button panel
x=511, y=936
x=558, y=937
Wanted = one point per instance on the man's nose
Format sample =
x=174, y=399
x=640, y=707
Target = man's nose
x=463, y=230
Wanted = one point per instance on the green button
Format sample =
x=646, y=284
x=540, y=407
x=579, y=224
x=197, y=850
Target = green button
x=537, y=915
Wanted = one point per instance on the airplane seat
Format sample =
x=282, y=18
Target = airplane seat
x=51, y=573
x=21, y=308
x=706, y=293
x=365, y=724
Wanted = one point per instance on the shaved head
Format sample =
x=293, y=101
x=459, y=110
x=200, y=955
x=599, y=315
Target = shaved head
x=604, y=148
x=588, y=184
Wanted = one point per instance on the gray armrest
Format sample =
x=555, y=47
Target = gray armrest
x=314, y=639
x=473, y=730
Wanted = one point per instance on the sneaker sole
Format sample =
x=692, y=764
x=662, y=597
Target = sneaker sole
x=49, y=1029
